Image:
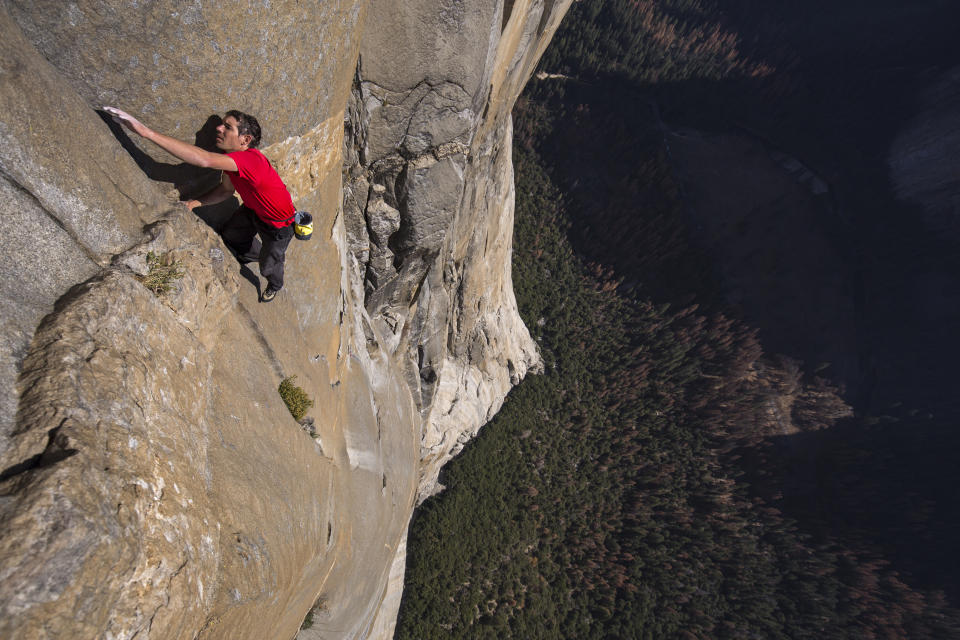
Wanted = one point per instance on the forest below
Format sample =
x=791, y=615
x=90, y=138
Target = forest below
x=687, y=467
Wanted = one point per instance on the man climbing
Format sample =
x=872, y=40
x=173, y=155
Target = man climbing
x=267, y=208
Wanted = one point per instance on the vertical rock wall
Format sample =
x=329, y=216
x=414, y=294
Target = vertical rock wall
x=152, y=484
x=428, y=202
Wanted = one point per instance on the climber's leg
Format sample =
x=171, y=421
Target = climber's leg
x=273, y=253
x=240, y=235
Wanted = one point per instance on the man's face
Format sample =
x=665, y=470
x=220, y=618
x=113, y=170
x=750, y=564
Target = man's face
x=229, y=138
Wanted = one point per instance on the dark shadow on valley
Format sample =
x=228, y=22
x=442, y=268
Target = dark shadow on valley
x=882, y=482
x=902, y=346
x=886, y=490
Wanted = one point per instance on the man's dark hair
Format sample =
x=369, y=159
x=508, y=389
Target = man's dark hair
x=247, y=125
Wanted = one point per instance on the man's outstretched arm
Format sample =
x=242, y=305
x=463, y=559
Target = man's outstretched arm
x=185, y=151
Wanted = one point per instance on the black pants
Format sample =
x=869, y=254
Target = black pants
x=240, y=233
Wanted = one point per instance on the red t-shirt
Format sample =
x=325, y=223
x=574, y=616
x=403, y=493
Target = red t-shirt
x=261, y=188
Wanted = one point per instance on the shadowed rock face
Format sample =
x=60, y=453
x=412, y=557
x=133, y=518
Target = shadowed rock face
x=153, y=483
x=921, y=162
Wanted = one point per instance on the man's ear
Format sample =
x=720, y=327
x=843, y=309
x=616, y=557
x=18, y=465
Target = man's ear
x=245, y=140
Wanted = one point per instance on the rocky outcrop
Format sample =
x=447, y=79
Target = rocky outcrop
x=769, y=222
x=153, y=483
x=922, y=169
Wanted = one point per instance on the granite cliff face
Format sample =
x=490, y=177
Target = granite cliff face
x=153, y=483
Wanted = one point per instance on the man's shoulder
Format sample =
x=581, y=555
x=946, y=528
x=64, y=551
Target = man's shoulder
x=250, y=159
x=250, y=155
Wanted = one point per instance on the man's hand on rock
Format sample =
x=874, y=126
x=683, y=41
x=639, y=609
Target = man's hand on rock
x=128, y=121
x=192, y=204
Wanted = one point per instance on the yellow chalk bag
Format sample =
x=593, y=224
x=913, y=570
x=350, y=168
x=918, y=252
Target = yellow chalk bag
x=303, y=225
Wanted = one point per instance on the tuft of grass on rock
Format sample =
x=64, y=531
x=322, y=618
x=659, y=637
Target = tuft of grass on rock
x=319, y=605
x=296, y=399
x=162, y=272
x=308, y=621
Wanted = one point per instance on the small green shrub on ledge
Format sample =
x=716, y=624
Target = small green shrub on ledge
x=161, y=274
x=296, y=399
x=318, y=606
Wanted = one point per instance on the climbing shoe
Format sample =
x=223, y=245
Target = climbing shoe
x=269, y=294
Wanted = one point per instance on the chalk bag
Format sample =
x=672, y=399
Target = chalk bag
x=303, y=225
